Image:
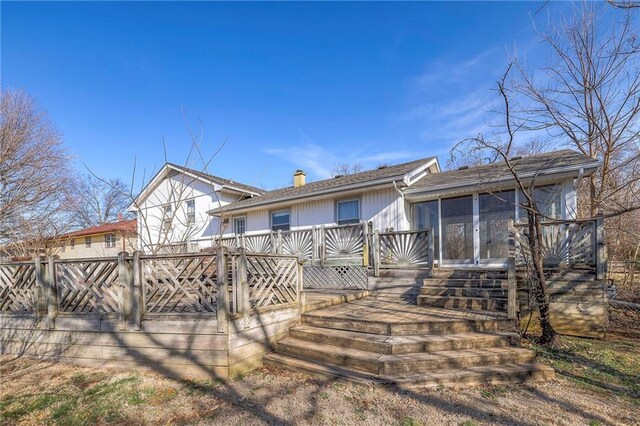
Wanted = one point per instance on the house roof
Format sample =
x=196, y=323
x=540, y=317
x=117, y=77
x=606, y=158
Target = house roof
x=124, y=226
x=205, y=177
x=226, y=182
x=538, y=165
x=368, y=178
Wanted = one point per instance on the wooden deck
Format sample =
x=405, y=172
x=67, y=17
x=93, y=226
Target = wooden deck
x=318, y=298
x=398, y=311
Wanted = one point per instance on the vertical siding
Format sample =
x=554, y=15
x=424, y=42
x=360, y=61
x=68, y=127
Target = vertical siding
x=385, y=209
x=312, y=213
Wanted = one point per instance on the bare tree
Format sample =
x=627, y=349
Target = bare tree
x=499, y=149
x=588, y=97
x=346, y=169
x=33, y=172
x=92, y=201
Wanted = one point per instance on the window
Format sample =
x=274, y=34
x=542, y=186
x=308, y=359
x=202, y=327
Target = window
x=191, y=212
x=87, y=241
x=348, y=212
x=280, y=220
x=73, y=243
x=167, y=216
x=239, y=225
x=110, y=240
x=548, y=199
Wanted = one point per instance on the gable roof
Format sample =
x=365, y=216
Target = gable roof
x=399, y=172
x=195, y=174
x=229, y=183
x=538, y=165
x=124, y=226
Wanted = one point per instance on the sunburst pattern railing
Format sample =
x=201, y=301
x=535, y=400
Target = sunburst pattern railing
x=343, y=242
x=410, y=248
x=298, y=243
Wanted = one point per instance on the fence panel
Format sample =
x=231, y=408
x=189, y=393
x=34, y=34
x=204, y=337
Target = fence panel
x=346, y=276
x=404, y=249
x=273, y=280
x=258, y=243
x=568, y=243
x=343, y=242
x=181, y=283
x=17, y=287
x=87, y=285
x=298, y=243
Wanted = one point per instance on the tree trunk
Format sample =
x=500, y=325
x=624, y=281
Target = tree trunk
x=540, y=282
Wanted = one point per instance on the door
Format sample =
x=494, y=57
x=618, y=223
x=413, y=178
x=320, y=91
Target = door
x=457, y=230
x=495, y=210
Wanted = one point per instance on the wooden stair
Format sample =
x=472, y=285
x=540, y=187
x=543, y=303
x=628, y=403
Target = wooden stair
x=470, y=289
x=377, y=340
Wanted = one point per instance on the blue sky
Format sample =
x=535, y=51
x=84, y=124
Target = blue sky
x=287, y=85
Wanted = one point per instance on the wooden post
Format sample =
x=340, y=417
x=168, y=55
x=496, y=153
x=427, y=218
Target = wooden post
x=223, y=290
x=272, y=237
x=365, y=245
x=512, y=292
x=125, y=289
x=323, y=248
x=279, y=250
x=601, y=249
x=376, y=253
x=430, y=250
x=242, y=241
x=243, y=287
x=137, y=299
x=41, y=289
x=314, y=245
x=52, y=293
x=301, y=294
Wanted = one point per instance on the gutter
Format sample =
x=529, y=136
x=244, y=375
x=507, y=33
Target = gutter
x=546, y=172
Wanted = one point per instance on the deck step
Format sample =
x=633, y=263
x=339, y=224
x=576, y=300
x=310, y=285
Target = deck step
x=464, y=282
x=394, y=364
x=406, y=328
x=469, y=303
x=464, y=292
x=470, y=273
x=384, y=344
x=495, y=374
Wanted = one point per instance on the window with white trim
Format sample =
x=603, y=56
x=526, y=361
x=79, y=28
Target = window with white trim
x=87, y=242
x=280, y=220
x=239, y=225
x=167, y=217
x=191, y=212
x=110, y=240
x=348, y=211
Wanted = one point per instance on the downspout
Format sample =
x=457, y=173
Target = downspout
x=401, y=196
x=576, y=183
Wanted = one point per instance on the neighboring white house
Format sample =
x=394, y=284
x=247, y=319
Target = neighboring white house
x=468, y=208
x=172, y=208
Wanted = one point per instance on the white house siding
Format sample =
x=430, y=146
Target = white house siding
x=383, y=207
x=205, y=197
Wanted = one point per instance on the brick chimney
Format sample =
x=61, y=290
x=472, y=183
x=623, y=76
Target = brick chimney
x=299, y=178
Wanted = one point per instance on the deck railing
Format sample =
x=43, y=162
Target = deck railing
x=565, y=244
x=130, y=287
x=343, y=245
x=319, y=245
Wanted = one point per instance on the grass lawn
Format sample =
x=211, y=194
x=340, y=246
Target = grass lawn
x=597, y=384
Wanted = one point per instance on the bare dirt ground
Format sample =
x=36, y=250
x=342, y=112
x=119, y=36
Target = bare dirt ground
x=598, y=383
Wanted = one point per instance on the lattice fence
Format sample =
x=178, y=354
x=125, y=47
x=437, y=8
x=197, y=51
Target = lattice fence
x=335, y=277
x=175, y=284
x=273, y=280
x=90, y=286
x=17, y=287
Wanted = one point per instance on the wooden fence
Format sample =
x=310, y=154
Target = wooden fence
x=344, y=245
x=323, y=245
x=130, y=287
